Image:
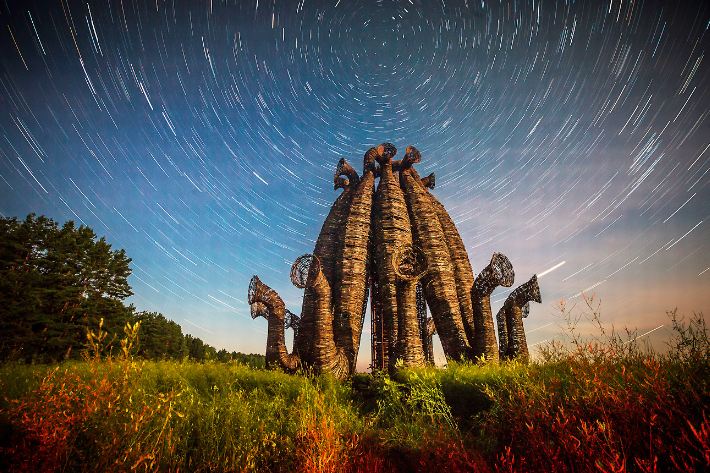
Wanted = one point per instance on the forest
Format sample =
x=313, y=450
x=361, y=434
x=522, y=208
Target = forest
x=57, y=282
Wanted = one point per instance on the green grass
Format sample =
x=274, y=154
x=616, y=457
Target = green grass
x=589, y=407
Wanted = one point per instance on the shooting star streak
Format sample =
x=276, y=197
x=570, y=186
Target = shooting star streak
x=624, y=266
x=18, y=47
x=588, y=289
x=538, y=328
x=260, y=178
x=671, y=215
x=232, y=297
x=222, y=302
x=643, y=334
x=686, y=234
x=547, y=271
x=574, y=274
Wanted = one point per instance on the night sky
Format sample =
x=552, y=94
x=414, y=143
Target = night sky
x=202, y=136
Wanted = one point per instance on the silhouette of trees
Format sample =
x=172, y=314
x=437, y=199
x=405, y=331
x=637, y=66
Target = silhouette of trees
x=54, y=282
x=57, y=281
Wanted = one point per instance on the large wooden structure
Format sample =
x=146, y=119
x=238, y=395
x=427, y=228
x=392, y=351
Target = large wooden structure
x=394, y=242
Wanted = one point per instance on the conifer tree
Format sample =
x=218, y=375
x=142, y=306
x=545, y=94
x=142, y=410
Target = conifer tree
x=54, y=283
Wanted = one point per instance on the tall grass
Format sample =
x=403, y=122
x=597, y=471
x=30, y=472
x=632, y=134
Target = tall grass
x=594, y=404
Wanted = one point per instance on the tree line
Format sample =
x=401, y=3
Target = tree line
x=58, y=282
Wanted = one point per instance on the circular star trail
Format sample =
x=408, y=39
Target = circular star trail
x=202, y=136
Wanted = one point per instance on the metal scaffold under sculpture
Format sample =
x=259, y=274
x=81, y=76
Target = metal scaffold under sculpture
x=394, y=243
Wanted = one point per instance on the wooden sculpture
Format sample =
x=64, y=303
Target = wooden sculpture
x=352, y=270
x=329, y=353
x=457, y=251
x=499, y=272
x=396, y=243
x=511, y=335
x=409, y=265
x=440, y=283
x=328, y=248
x=265, y=302
x=391, y=228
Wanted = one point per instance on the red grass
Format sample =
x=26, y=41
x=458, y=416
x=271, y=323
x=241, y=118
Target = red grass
x=49, y=422
x=591, y=413
x=604, y=418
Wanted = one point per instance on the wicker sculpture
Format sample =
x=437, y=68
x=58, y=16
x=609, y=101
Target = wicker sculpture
x=511, y=335
x=409, y=265
x=328, y=349
x=499, y=272
x=328, y=246
x=395, y=243
x=352, y=272
x=265, y=302
x=391, y=228
x=440, y=284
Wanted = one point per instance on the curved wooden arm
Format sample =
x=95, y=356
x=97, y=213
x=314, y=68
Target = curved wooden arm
x=345, y=169
x=412, y=156
x=430, y=181
x=262, y=297
x=515, y=308
x=266, y=302
x=527, y=292
x=385, y=153
x=370, y=162
x=499, y=272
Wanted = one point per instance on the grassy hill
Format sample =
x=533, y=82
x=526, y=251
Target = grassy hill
x=589, y=407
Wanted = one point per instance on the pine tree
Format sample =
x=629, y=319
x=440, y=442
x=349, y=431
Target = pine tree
x=54, y=283
x=160, y=338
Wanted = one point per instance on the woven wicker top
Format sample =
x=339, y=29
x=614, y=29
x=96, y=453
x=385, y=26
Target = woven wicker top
x=304, y=270
x=409, y=262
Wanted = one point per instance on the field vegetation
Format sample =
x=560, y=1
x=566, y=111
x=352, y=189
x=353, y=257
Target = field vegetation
x=600, y=403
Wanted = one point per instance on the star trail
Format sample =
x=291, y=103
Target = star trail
x=201, y=137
